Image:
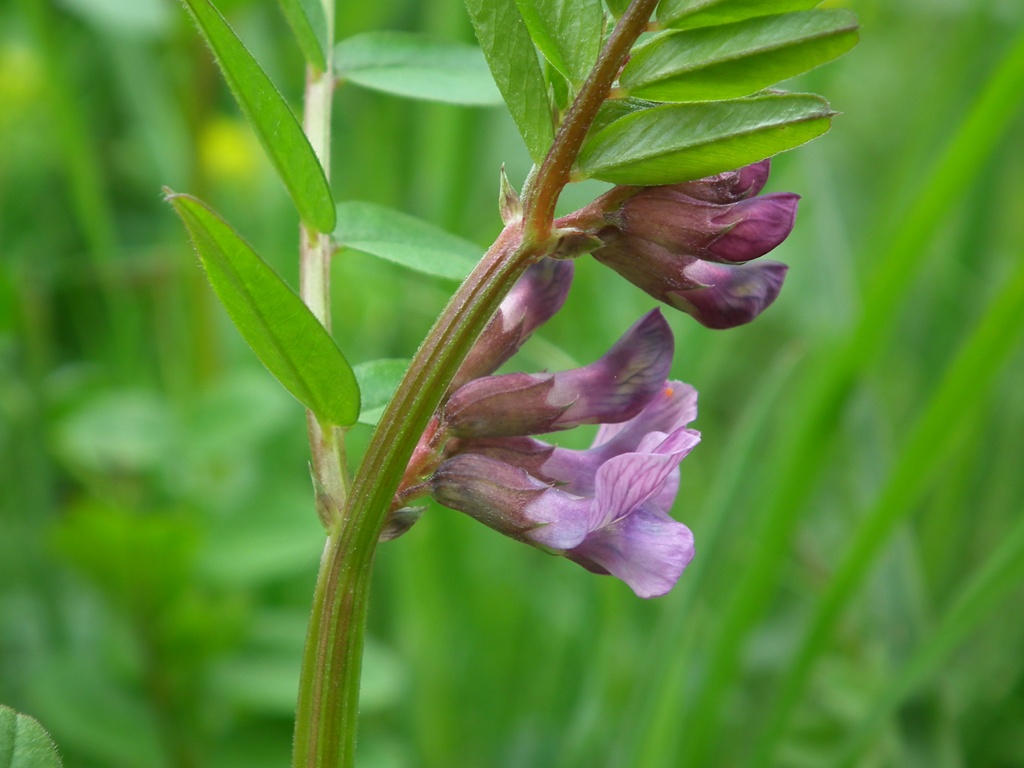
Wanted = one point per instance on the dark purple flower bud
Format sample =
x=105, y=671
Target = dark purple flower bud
x=731, y=186
x=505, y=498
x=717, y=295
x=604, y=508
x=733, y=294
x=735, y=232
x=756, y=226
x=534, y=300
x=612, y=389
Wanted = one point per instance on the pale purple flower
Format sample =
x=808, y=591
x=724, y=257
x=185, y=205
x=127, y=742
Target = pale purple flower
x=605, y=508
x=612, y=389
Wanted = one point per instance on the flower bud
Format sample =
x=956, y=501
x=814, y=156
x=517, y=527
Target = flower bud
x=716, y=295
x=734, y=232
x=733, y=295
x=612, y=389
x=534, y=300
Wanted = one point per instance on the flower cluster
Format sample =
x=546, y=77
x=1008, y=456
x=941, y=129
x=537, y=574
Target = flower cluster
x=692, y=245
x=606, y=507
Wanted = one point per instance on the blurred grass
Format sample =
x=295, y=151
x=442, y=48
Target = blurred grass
x=856, y=498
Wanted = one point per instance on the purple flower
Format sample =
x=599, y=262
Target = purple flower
x=612, y=389
x=734, y=232
x=716, y=295
x=689, y=244
x=605, y=508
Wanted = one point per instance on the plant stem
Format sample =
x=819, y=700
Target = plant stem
x=325, y=724
x=542, y=194
x=330, y=474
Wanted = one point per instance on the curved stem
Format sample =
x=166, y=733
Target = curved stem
x=542, y=194
x=329, y=683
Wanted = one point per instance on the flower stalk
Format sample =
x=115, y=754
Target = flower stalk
x=332, y=660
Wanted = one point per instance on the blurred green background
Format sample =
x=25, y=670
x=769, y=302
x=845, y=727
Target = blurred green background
x=857, y=498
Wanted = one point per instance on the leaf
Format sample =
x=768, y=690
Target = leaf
x=378, y=380
x=702, y=13
x=417, y=67
x=733, y=60
x=513, y=61
x=306, y=18
x=568, y=33
x=679, y=142
x=616, y=109
x=404, y=240
x=617, y=7
x=272, y=120
x=273, y=320
x=24, y=743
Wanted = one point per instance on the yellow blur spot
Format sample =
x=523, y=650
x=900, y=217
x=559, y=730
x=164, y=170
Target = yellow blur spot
x=21, y=82
x=228, y=151
x=669, y=391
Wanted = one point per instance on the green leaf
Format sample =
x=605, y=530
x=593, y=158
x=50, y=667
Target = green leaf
x=404, y=240
x=275, y=125
x=378, y=380
x=275, y=322
x=702, y=13
x=679, y=142
x=24, y=743
x=616, y=109
x=417, y=67
x=513, y=61
x=309, y=25
x=733, y=60
x=568, y=33
x=617, y=7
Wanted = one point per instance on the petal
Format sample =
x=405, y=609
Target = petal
x=627, y=481
x=562, y=520
x=614, y=388
x=731, y=294
x=758, y=225
x=626, y=378
x=648, y=550
x=675, y=406
x=670, y=411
